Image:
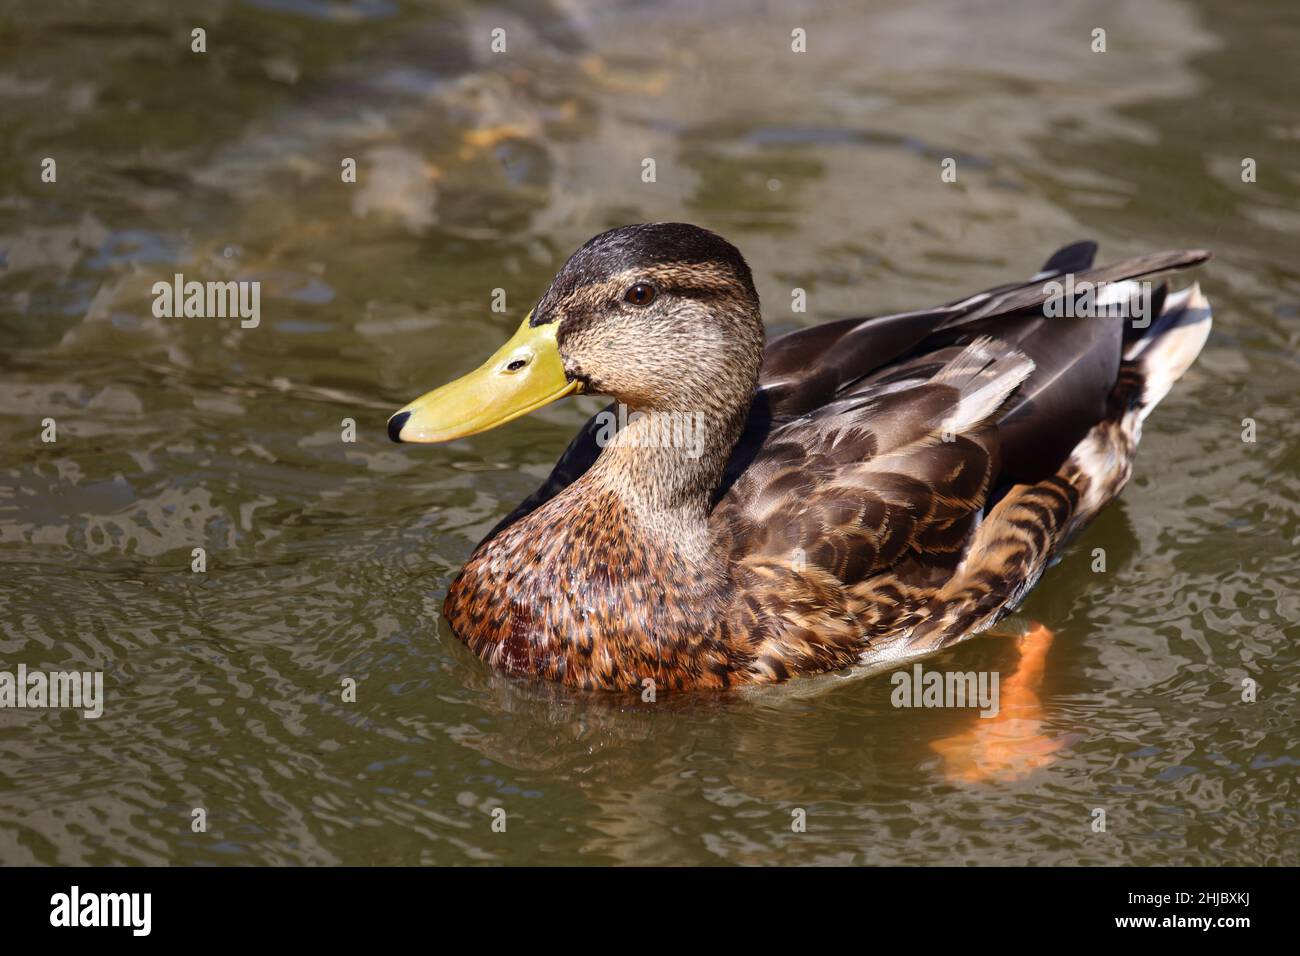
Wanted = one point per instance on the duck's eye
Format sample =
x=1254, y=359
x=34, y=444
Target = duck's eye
x=643, y=293
x=516, y=365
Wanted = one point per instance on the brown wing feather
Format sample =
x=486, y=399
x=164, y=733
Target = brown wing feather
x=891, y=477
x=890, y=468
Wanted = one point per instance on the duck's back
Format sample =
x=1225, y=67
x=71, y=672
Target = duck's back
x=911, y=491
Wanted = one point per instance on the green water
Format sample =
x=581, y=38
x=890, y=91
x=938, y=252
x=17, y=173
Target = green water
x=328, y=560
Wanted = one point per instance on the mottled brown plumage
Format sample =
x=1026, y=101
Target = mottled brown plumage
x=866, y=490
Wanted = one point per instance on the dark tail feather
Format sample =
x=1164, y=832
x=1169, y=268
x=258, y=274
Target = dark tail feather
x=1075, y=257
x=1033, y=294
x=1076, y=361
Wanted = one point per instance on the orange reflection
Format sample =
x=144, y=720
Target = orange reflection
x=1010, y=745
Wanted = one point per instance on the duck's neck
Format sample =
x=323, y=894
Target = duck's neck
x=663, y=468
x=676, y=433
x=671, y=462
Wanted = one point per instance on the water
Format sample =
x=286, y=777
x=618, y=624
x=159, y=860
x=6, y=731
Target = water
x=328, y=560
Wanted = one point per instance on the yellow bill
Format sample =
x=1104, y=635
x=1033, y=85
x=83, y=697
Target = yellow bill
x=524, y=374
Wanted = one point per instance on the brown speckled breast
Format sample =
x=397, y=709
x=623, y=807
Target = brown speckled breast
x=566, y=594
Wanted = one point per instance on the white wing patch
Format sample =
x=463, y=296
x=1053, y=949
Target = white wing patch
x=985, y=373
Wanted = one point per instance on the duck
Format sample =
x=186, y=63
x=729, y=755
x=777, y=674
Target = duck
x=851, y=495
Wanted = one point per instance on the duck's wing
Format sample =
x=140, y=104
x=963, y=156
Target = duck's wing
x=893, y=470
x=853, y=507
x=1076, y=360
x=808, y=367
x=849, y=518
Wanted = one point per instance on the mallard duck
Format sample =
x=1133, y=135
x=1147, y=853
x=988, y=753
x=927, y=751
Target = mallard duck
x=859, y=492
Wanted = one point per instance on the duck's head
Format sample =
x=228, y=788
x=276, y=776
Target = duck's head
x=662, y=317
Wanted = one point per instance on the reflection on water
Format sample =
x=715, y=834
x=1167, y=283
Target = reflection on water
x=1009, y=744
x=478, y=171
